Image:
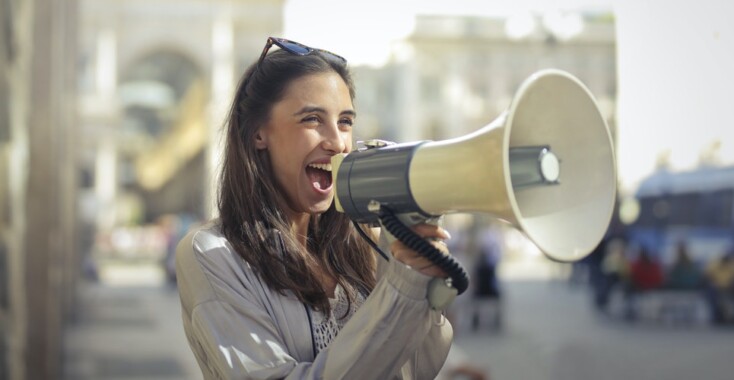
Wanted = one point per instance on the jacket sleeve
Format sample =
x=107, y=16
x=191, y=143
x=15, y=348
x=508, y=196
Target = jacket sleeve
x=394, y=327
x=234, y=337
x=228, y=327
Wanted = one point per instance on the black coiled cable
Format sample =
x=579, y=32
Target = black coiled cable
x=459, y=277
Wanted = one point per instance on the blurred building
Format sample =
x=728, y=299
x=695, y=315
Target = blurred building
x=108, y=109
x=455, y=74
x=155, y=81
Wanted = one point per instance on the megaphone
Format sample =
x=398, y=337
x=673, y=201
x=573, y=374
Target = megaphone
x=546, y=166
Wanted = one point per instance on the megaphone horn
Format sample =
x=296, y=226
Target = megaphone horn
x=546, y=166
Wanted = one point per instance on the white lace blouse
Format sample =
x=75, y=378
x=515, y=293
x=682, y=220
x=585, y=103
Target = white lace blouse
x=326, y=327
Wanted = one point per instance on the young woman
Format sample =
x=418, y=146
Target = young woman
x=281, y=285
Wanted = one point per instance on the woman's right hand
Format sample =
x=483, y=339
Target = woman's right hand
x=416, y=261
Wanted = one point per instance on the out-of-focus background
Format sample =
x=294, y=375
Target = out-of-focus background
x=110, y=120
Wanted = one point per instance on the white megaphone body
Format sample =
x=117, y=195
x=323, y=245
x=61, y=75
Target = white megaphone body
x=546, y=166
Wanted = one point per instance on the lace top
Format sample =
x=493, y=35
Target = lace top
x=326, y=327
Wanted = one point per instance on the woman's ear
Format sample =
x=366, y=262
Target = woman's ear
x=260, y=139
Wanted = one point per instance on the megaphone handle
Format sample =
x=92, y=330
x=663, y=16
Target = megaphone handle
x=458, y=276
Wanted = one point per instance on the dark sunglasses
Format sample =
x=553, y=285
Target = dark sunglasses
x=294, y=48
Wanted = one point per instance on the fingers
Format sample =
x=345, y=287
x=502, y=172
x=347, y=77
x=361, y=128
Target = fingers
x=418, y=263
x=430, y=231
x=407, y=256
x=433, y=271
x=434, y=234
x=441, y=246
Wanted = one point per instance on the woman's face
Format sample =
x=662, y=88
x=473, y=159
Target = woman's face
x=312, y=123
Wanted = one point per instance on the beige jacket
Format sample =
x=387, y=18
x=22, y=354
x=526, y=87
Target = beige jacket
x=238, y=328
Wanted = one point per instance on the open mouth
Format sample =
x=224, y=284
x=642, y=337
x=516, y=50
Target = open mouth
x=319, y=175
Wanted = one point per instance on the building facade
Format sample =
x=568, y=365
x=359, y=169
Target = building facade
x=109, y=111
x=455, y=74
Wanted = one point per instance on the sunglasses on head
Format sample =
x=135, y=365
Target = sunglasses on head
x=294, y=48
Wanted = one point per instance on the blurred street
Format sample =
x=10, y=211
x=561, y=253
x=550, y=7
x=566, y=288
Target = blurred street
x=550, y=331
x=128, y=326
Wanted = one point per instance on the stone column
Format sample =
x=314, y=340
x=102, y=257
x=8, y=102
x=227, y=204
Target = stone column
x=49, y=266
x=15, y=53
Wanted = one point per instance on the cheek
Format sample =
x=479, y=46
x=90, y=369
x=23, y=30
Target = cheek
x=287, y=165
x=278, y=164
x=283, y=165
x=349, y=141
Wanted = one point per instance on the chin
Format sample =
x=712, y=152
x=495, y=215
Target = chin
x=321, y=207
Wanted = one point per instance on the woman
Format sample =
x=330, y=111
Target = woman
x=281, y=285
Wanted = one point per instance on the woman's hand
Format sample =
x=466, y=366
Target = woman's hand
x=411, y=258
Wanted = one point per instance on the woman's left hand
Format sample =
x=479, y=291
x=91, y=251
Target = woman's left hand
x=413, y=259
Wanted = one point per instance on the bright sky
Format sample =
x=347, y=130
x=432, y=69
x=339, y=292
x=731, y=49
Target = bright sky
x=364, y=30
x=675, y=60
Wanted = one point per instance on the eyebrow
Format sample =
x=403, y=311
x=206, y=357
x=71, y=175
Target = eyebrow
x=309, y=109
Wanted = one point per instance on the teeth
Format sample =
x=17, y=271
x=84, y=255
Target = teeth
x=326, y=167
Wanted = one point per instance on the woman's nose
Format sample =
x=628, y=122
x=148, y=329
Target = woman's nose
x=335, y=140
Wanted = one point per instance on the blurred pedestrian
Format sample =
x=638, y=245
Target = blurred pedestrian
x=720, y=288
x=684, y=273
x=615, y=271
x=646, y=274
x=487, y=305
x=169, y=225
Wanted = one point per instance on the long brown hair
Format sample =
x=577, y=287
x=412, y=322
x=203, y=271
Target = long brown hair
x=249, y=197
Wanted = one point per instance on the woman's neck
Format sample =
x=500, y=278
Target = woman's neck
x=299, y=226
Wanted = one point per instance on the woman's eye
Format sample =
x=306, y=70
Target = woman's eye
x=347, y=122
x=310, y=119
